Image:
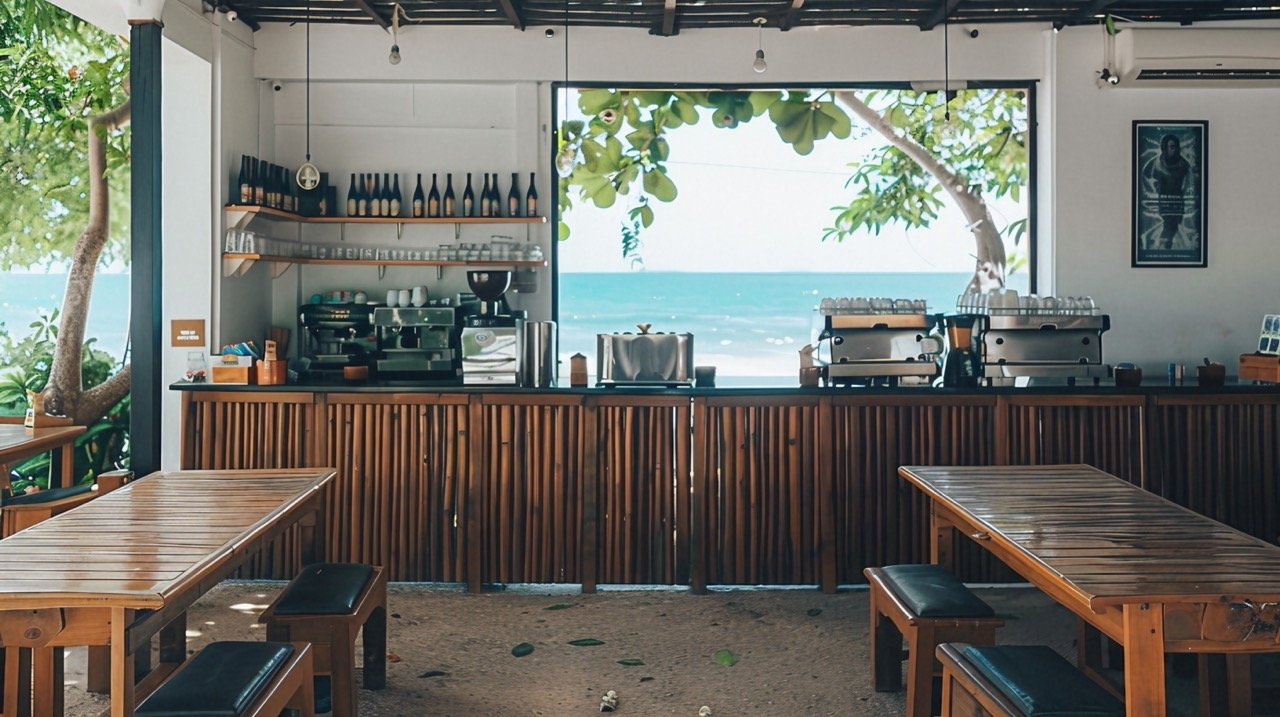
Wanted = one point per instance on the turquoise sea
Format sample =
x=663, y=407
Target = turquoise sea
x=24, y=298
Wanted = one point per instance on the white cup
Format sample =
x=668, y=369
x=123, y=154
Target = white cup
x=392, y=298
x=404, y=297
x=419, y=296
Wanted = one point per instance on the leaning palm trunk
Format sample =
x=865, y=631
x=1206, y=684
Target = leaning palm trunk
x=990, y=255
x=65, y=394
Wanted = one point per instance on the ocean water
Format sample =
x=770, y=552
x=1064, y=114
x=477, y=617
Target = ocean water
x=746, y=324
x=24, y=298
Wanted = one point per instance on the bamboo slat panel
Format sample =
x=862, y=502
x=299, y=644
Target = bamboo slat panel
x=531, y=508
x=403, y=475
x=232, y=431
x=1104, y=432
x=642, y=464
x=1219, y=457
x=756, y=490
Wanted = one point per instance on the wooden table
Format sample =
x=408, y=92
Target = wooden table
x=17, y=444
x=1151, y=575
x=126, y=566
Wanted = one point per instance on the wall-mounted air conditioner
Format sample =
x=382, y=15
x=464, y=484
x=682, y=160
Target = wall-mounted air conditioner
x=1194, y=57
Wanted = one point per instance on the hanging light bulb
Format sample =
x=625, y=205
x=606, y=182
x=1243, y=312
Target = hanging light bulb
x=394, y=57
x=760, y=65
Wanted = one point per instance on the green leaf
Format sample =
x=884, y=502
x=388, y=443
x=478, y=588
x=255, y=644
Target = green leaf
x=646, y=216
x=522, y=649
x=1111, y=26
x=762, y=100
x=686, y=111
x=726, y=658
x=630, y=662
x=659, y=185
x=586, y=642
x=593, y=101
x=659, y=150
x=600, y=191
x=721, y=118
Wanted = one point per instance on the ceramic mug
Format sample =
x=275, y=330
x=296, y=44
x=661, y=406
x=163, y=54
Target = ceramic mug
x=392, y=297
x=419, y=296
x=403, y=297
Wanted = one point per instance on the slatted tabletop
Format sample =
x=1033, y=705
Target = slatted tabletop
x=153, y=539
x=17, y=444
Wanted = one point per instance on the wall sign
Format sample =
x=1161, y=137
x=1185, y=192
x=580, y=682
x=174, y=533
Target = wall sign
x=1170, y=191
x=187, y=333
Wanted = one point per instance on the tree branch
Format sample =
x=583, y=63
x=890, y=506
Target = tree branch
x=95, y=402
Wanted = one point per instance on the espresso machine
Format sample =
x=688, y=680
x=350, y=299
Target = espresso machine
x=877, y=341
x=334, y=336
x=962, y=362
x=417, y=346
x=1039, y=337
x=490, y=334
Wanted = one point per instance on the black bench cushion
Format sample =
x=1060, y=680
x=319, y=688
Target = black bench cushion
x=325, y=589
x=223, y=680
x=932, y=591
x=1042, y=682
x=49, y=496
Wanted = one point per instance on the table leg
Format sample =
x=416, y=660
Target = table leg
x=47, y=692
x=68, y=463
x=122, y=671
x=942, y=540
x=98, y=671
x=1144, y=660
x=17, y=681
x=1239, y=685
x=173, y=641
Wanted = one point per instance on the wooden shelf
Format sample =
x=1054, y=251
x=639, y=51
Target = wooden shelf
x=237, y=264
x=249, y=211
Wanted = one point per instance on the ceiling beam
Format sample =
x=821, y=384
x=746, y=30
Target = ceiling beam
x=793, y=14
x=945, y=8
x=508, y=8
x=368, y=10
x=1086, y=13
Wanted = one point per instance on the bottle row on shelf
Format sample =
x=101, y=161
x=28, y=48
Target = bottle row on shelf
x=264, y=184
x=371, y=195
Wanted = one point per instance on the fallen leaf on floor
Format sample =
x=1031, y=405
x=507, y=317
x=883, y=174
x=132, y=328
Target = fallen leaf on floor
x=815, y=611
x=396, y=615
x=646, y=679
x=559, y=606
x=392, y=657
x=586, y=642
x=726, y=658
x=704, y=711
x=630, y=662
x=434, y=673
x=522, y=649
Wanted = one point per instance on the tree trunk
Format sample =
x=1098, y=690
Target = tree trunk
x=991, y=260
x=65, y=395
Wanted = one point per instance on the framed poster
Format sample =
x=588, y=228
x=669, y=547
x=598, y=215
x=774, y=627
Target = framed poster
x=1170, y=188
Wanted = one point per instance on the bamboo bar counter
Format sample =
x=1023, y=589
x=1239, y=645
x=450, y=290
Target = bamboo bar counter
x=707, y=486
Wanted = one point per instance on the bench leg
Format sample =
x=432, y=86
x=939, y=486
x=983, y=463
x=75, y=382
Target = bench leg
x=47, y=692
x=886, y=651
x=17, y=682
x=375, y=649
x=920, y=672
x=342, y=671
x=98, y=671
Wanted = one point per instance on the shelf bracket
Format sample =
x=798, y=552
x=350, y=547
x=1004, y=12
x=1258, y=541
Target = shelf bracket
x=236, y=266
x=278, y=268
x=382, y=271
x=439, y=272
x=399, y=230
x=457, y=231
x=239, y=220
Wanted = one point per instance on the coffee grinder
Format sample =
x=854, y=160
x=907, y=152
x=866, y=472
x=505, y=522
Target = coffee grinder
x=490, y=343
x=962, y=363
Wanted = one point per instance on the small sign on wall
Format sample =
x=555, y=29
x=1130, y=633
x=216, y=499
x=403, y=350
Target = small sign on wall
x=187, y=333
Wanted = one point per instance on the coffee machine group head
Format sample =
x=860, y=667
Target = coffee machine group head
x=962, y=362
x=489, y=286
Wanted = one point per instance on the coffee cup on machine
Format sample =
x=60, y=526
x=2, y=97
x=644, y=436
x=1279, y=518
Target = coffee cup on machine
x=704, y=376
x=393, y=298
x=419, y=296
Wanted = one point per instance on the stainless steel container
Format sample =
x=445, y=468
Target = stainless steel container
x=644, y=359
x=538, y=354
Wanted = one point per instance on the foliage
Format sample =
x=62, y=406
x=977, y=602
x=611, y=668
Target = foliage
x=104, y=446
x=625, y=139
x=56, y=72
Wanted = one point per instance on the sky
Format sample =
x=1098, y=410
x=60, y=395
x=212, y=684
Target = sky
x=749, y=202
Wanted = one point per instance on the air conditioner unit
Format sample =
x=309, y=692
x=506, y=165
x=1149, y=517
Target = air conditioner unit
x=1198, y=57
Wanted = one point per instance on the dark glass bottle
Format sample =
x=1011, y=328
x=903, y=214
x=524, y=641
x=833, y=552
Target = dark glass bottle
x=384, y=200
x=419, y=202
x=495, y=197
x=468, y=199
x=397, y=199
x=362, y=197
x=531, y=199
x=513, y=197
x=260, y=183
x=286, y=189
x=351, y=197
x=245, y=189
x=484, y=197
x=433, y=199
x=450, y=209
x=375, y=197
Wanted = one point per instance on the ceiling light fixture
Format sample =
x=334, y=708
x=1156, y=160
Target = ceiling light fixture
x=567, y=156
x=308, y=176
x=760, y=65
x=396, y=12
x=946, y=70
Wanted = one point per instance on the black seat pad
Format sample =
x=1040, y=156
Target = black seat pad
x=1042, y=682
x=325, y=589
x=932, y=591
x=48, y=496
x=223, y=680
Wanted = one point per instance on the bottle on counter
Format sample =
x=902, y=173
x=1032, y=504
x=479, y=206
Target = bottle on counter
x=433, y=199
x=449, y=204
x=531, y=199
x=468, y=199
x=384, y=200
x=419, y=202
x=397, y=199
x=513, y=197
x=484, y=197
x=351, y=197
x=245, y=180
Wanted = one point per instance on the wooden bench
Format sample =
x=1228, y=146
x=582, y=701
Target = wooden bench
x=237, y=679
x=927, y=606
x=327, y=604
x=1018, y=681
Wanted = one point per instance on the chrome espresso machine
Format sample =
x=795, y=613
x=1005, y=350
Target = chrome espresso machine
x=418, y=346
x=1037, y=336
x=886, y=342
x=334, y=336
x=490, y=334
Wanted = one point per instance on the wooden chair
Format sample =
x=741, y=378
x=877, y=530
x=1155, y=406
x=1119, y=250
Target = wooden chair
x=327, y=605
x=1016, y=681
x=245, y=679
x=927, y=606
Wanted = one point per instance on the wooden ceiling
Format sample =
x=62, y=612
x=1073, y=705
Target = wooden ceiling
x=668, y=17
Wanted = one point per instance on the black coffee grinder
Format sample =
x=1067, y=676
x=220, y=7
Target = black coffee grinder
x=962, y=363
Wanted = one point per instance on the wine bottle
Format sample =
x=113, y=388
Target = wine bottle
x=433, y=199
x=495, y=198
x=484, y=197
x=419, y=202
x=286, y=189
x=449, y=208
x=375, y=197
x=397, y=199
x=351, y=197
x=246, y=191
x=513, y=197
x=362, y=197
x=385, y=199
x=531, y=199
x=468, y=199
x=259, y=182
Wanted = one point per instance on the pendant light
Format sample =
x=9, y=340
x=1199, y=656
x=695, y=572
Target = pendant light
x=308, y=177
x=946, y=70
x=394, y=57
x=759, y=65
x=567, y=157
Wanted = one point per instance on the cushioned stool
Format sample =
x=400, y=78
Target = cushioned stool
x=1018, y=681
x=327, y=605
x=926, y=605
x=237, y=679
